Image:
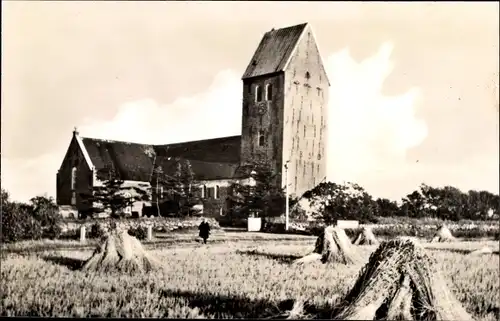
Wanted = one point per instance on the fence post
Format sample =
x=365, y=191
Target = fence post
x=150, y=233
x=82, y=234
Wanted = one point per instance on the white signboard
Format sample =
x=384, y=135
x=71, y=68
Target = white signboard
x=254, y=224
x=347, y=224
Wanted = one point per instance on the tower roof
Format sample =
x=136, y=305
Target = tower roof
x=274, y=51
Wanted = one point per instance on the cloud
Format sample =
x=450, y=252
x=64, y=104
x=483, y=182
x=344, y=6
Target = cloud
x=369, y=133
x=213, y=113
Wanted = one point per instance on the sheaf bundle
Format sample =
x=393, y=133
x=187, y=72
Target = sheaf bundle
x=366, y=237
x=443, y=234
x=400, y=282
x=332, y=245
x=120, y=252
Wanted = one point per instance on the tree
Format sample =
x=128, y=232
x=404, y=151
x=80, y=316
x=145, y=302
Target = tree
x=18, y=222
x=262, y=197
x=449, y=203
x=45, y=210
x=175, y=189
x=112, y=195
x=482, y=204
x=454, y=204
x=386, y=208
x=347, y=201
x=415, y=204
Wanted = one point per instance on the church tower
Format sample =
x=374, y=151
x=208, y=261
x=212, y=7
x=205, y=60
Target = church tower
x=285, y=105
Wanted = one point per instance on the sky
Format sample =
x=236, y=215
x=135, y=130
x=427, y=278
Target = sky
x=413, y=97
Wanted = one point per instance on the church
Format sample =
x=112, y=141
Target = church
x=284, y=124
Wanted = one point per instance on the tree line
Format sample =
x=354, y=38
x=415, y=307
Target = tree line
x=176, y=192
x=351, y=201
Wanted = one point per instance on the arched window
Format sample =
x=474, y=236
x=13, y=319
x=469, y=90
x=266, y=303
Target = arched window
x=269, y=92
x=73, y=178
x=308, y=75
x=258, y=93
x=262, y=138
x=216, y=192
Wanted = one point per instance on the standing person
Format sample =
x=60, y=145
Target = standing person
x=204, y=230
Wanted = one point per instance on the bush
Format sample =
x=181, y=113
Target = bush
x=18, y=223
x=45, y=211
x=32, y=229
x=139, y=232
x=12, y=229
x=53, y=232
x=315, y=229
x=96, y=231
x=427, y=232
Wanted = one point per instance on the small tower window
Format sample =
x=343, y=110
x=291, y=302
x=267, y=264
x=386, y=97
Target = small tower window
x=308, y=75
x=262, y=138
x=258, y=93
x=216, y=193
x=73, y=178
x=269, y=92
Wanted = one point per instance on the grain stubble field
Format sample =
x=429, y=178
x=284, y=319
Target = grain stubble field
x=223, y=280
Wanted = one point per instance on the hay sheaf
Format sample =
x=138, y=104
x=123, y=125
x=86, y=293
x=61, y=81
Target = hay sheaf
x=332, y=245
x=443, y=234
x=120, y=252
x=366, y=237
x=400, y=282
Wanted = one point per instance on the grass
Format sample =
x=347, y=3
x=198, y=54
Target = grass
x=242, y=277
x=160, y=240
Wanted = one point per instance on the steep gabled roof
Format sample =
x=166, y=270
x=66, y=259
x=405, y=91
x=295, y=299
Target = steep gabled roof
x=274, y=51
x=131, y=161
x=202, y=170
x=216, y=150
x=210, y=159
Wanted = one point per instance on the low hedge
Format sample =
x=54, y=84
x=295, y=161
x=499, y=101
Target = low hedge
x=139, y=232
x=389, y=231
